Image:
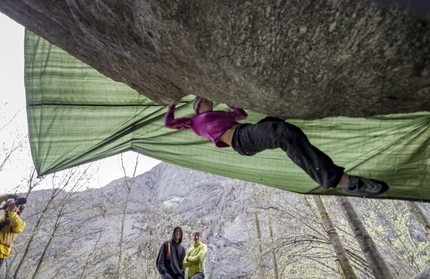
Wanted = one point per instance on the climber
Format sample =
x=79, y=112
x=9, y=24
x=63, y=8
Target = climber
x=224, y=130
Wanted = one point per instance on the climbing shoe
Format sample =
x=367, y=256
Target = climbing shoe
x=365, y=187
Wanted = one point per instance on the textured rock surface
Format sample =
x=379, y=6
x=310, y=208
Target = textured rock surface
x=222, y=209
x=293, y=59
x=165, y=197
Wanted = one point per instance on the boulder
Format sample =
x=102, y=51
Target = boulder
x=291, y=59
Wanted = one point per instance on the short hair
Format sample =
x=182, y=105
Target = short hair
x=194, y=233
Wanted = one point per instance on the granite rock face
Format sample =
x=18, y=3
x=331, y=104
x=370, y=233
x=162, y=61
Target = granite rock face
x=160, y=199
x=292, y=59
x=81, y=231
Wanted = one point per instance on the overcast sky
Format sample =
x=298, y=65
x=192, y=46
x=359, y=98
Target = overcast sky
x=13, y=119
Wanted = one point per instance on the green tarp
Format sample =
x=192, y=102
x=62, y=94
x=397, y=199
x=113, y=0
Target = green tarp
x=76, y=115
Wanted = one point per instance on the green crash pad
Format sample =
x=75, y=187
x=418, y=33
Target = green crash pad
x=77, y=115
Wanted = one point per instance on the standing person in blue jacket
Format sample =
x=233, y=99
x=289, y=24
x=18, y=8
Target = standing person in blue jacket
x=170, y=257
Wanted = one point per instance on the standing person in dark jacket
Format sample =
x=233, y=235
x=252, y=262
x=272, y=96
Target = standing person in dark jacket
x=171, y=256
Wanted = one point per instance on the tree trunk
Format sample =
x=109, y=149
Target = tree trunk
x=38, y=226
x=260, y=244
x=275, y=260
x=375, y=260
x=129, y=186
x=121, y=238
x=341, y=256
x=89, y=257
x=421, y=217
x=48, y=244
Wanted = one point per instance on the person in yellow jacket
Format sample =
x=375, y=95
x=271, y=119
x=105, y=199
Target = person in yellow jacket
x=195, y=258
x=11, y=224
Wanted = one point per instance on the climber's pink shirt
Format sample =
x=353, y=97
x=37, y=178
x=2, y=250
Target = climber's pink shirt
x=210, y=125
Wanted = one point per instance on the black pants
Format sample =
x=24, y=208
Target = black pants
x=1, y=262
x=168, y=276
x=271, y=133
x=198, y=275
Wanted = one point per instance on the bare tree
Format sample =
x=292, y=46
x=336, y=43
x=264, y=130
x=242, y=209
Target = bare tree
x=55, y=228
x=64, y=187
x=377, y=264
x=399, y=238
x=259, y=237
x=300, y=245
x=90, y=255
x=7, y=152
x=341, y=256
x=129, y=186
x=275, y=260
x=420, y=216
